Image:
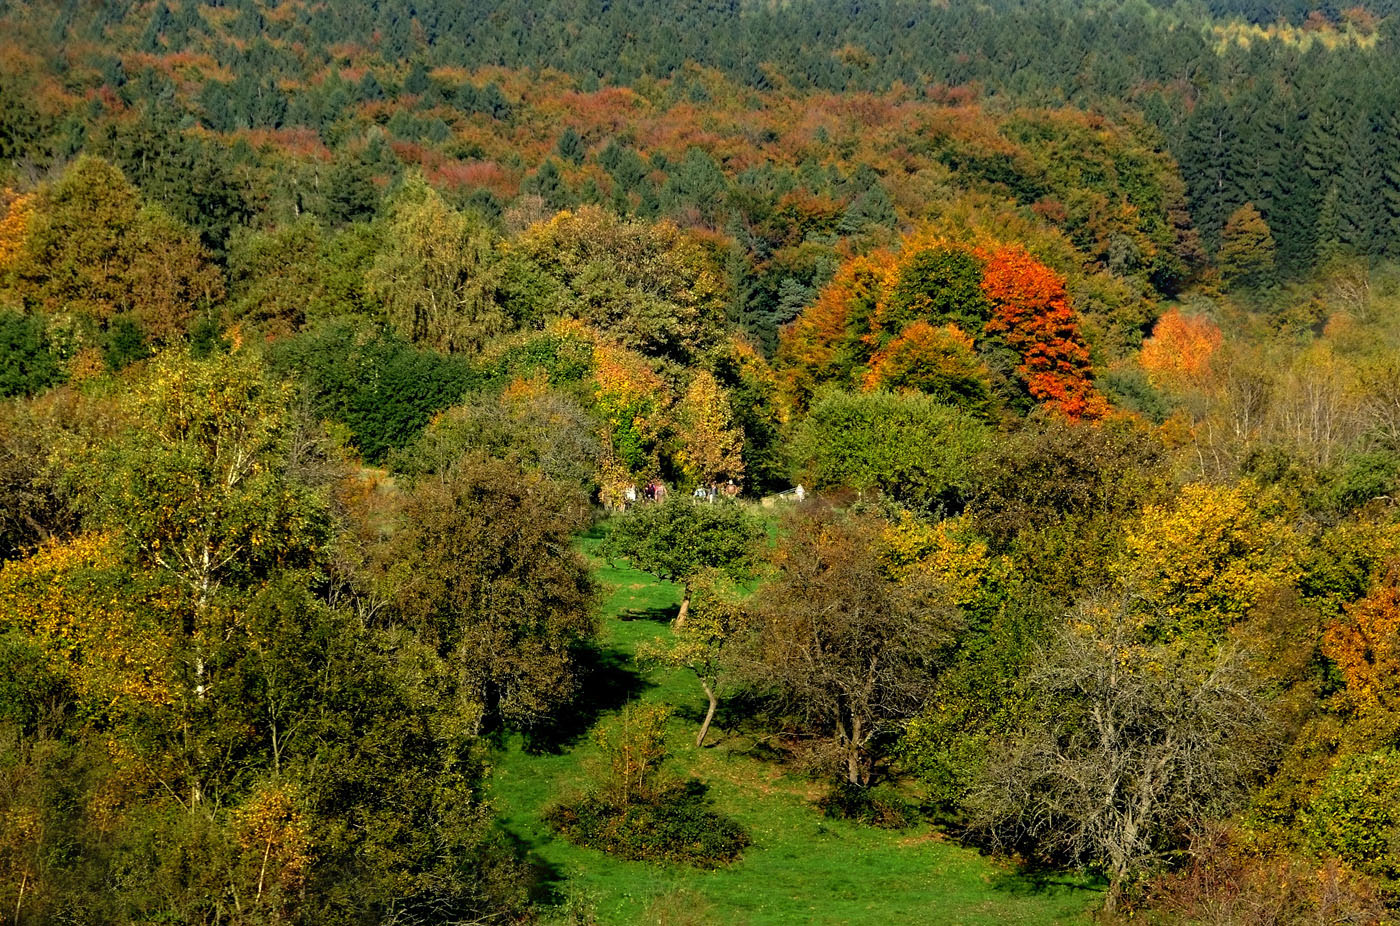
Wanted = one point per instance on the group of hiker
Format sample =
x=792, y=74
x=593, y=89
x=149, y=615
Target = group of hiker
x=656, y=491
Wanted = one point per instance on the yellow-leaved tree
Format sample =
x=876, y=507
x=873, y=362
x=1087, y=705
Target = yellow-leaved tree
x=948, y=551
x=102, y=628
x=436, y=273
x=1201, y=562
x=711, y=446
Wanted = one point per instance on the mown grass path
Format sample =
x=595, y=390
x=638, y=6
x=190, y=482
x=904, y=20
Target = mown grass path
x=802, y=868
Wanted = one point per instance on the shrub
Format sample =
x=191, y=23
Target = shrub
x=637, y=814
x=1356, y=816
x=674, y=824
x=880, y=806
x=1222, y=882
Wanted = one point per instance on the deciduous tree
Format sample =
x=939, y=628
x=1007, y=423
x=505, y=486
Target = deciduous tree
x=435, y=273
x=483, y=570
x=702, y=642
x=1129, y=741
x=677, y=538
x=854, y=650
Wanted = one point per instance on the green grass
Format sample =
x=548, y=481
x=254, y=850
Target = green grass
x=802, y=868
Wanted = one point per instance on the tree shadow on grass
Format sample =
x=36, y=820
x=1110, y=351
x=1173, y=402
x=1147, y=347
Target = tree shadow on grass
x=608, y=680
x=664, y=615
x=744, y=721
x=1027, y=878
x=546, y=878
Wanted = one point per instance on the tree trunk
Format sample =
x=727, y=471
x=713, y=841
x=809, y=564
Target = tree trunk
x=852, y=767
x=853, y=753
x=1111, y=896
x=685, y=608
x=709, y=714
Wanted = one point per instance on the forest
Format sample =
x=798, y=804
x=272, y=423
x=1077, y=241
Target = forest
x=686, y=463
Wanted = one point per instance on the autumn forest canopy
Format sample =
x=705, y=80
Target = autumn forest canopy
x=608, y=461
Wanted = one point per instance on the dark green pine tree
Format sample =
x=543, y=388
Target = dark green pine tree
x=1360, y=182
x=696, y=183
x=1323, y=150
x=1329, y=224
x=350, y=192
x=1265, y=132
x=548, y=184
x=216, y=113
x=416, y=82
x=1388, y=204
x=1212, y=167
x=570, y=146
x=369, y=89
x=160, y=23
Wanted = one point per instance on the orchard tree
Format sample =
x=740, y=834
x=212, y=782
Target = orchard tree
x=1126, y=742
x=195, y=485
x=90, y=247
x=1031, y=313
x=72, y=255
x=1197, y=566
x=854, y=650
x=651, y=287
x=1365, y=645
x=938, y=361
x=676, y=539
x=703, y=642
x=168, y=275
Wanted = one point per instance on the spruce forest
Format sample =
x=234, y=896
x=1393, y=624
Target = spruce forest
x=699, y=462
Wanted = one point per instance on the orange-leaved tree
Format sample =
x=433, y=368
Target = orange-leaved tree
x=1032, y=314
x=934, y=317
x=1365, y=645
x=1180, y=350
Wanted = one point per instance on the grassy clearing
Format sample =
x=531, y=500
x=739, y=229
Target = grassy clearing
x=802, y=867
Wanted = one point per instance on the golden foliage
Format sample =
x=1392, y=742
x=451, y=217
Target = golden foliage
x=711, y=446
x=14, y=226
x=271, y=826
x=949, y=551
x=1180, y=350
x=101, y=631
x=1202, y=562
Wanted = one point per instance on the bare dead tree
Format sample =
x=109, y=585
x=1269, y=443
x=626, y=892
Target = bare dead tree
x=1131, y=744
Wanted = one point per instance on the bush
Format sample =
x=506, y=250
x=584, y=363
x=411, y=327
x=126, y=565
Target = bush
x=675, y=824
x=1356, y=815
x=1223, y=882
x=637, y=814
x=881, y=806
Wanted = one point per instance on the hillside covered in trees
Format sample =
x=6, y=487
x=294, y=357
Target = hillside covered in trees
x=615, y=462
